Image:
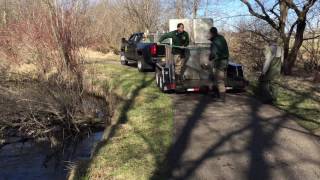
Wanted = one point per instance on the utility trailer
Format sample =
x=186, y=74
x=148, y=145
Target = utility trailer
x=197, y=74
x=196, y=78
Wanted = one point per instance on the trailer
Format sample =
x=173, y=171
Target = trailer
x=198, y=76
x=195, y=78
x=197, y=72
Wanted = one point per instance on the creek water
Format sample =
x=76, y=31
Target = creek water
x=26, y=160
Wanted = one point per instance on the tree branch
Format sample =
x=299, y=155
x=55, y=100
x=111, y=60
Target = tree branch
x=265, y=17
x=274, y=13
x=310, y=38
x=293, y=6
x=292, y=28
x=308, y=5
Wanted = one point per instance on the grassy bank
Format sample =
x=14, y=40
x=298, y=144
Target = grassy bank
x=299, y=97
x=141, y=132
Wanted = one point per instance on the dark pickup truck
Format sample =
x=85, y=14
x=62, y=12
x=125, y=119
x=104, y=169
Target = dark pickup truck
x=145, y=51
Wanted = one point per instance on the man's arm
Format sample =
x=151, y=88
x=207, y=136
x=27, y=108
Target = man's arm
x=213, y=52
x=188, y=40
x=166, y=36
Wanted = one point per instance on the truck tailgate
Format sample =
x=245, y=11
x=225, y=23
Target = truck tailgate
x=161, y=50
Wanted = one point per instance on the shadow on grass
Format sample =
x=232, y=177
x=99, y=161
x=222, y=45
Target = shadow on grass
x=112, y=130
x=306, y=114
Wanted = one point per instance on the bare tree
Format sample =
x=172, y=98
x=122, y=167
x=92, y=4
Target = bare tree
x=187, y=7
x=276, y=15
x=144, y=13
x=310, y=52
x=180, y=9
x=195, y=8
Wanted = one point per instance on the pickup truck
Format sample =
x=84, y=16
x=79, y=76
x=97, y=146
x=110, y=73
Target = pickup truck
x=144, y=53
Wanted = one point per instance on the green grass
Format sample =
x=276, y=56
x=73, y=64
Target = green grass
x=301, y=104
x=296, y=99
x=141, y=133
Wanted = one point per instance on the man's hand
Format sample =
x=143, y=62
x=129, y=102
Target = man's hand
x=261, y=77
x=211, y=57
x=205, y=66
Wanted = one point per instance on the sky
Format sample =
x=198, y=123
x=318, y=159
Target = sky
x=225, y=13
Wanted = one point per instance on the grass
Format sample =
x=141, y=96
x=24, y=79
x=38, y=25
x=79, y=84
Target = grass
x=300, y=98
x=301, y=101
x=141, y=133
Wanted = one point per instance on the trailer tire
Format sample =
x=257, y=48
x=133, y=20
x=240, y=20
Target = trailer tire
x=157, y=78
x=161, y=84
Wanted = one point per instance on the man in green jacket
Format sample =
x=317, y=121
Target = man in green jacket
x=179, y=38
x=219, y=55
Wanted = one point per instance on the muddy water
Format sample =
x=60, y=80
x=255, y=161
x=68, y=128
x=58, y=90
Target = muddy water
x=26, y=160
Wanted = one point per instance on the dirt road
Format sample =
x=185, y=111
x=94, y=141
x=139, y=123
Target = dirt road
x=241, y=139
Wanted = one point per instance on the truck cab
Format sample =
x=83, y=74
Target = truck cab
x=144, y=53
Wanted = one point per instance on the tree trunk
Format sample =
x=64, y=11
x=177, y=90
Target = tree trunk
x=179, y=9
x=195, y=8
x=291, y=57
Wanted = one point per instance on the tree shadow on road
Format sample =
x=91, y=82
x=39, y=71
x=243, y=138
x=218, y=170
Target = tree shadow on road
x=263, y=138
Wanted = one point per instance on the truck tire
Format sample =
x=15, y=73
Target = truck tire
x=123, y=60
x=140, y=65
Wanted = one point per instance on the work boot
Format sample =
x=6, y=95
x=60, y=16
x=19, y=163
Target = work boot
x=222, y=97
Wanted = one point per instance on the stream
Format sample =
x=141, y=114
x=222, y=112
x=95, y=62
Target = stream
x=26, y=160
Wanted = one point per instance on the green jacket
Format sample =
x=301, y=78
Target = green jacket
x=219, y=52
x=178, y=39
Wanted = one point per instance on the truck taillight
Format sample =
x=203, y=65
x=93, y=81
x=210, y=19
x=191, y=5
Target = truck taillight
x=153, y=50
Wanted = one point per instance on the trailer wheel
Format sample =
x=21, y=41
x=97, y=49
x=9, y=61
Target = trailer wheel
x=157, y=78
x=161, y=85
